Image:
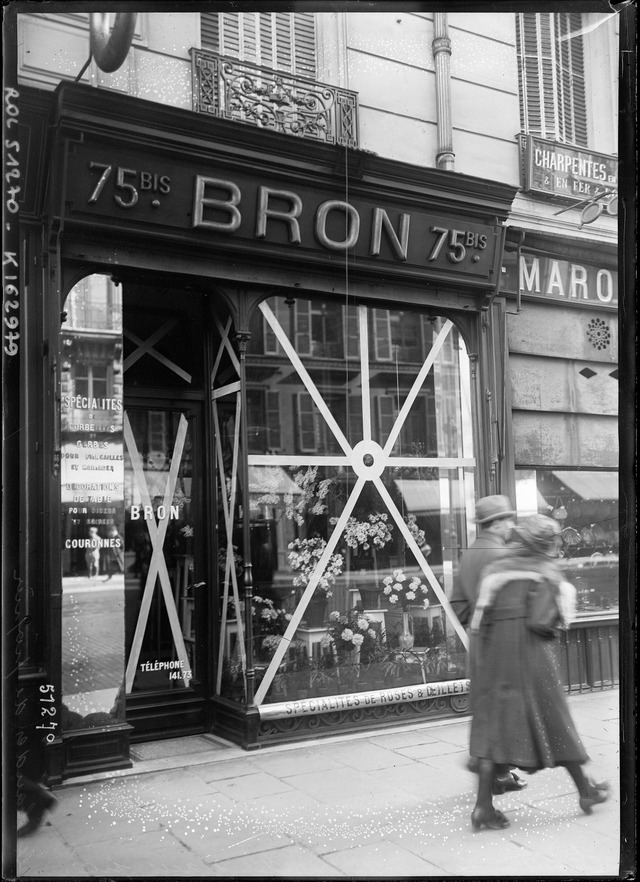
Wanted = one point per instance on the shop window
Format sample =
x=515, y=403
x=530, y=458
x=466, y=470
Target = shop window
x=327, y=539
x=551, y=76
x=585, y=504
x=92, y=506
x=279, y=40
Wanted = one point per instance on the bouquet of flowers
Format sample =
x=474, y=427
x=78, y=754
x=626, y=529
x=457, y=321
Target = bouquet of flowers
x=399, y=588
x=267, y=618
x=374, y=531
x=310, y=498
x=351, y=631
x=304, y=555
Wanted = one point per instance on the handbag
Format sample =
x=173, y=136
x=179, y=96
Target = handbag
x=543, y=616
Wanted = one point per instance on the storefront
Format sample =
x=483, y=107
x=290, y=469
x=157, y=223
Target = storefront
x=562, y=342
x=271, y=393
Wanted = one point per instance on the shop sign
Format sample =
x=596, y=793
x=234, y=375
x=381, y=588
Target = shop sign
x=559, y=170
x=360, y=700
x=561, y=280
x=208, y=205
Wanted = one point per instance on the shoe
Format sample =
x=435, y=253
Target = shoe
x=45, y=802
x=492, y=819
x=508, y=782
x=597, y=793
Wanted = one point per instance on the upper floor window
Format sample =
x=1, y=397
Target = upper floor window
x=551, y=76
x=95, y=303
x=279, y=40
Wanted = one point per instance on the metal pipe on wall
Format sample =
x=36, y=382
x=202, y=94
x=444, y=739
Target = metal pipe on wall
x=441, y=47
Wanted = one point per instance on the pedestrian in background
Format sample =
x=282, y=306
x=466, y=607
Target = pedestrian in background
x=521, y=716
x=496, y=519
x=92, y=554
x=113, y=553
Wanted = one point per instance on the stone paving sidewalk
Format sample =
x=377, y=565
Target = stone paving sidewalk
x=387, y=803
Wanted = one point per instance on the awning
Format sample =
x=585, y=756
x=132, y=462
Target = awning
x=271, y=480
x=590, y=485
x=422, y=496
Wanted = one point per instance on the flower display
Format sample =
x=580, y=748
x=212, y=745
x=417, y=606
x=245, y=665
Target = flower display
x=363, y=534
x=304, y=555
x=399, y=588
x=310, y=498
x=417, y=534
x=268, y=619
x=354, y=630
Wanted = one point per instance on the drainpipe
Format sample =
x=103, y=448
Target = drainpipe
x=441, y=48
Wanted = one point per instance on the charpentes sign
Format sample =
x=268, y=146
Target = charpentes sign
x=558, y=170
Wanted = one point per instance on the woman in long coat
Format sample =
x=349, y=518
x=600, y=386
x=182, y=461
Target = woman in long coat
x=520, y=712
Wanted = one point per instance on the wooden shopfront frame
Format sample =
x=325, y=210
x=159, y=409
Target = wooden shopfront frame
x=136, y=188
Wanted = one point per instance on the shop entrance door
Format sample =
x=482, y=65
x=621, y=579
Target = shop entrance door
x=167, y=637
x=165, y=595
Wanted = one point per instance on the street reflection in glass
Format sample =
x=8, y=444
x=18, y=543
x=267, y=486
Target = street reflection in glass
x=92, y=497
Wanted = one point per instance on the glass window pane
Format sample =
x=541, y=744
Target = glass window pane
x=585, y=503
x=325, y=546
x=92, y=507
x=160, y=535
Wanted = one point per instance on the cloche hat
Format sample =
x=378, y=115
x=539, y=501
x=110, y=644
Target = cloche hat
x=538, y=532
x=492, y=508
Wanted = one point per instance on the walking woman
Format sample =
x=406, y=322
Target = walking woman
x=520, y=712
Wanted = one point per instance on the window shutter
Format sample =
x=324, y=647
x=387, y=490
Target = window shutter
x=304, y=43
x=284, y=42
x=267, y=42
x=303, y=327
x=352, y=332
x=551, y=76
x=273, y=420
x=282, y=313
x=382, y=332
x=279, y=40
x=306, y=423
x=386, y=417
x=355, y=419
x=210, y=31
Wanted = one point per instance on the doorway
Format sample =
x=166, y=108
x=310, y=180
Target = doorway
x=167, y=577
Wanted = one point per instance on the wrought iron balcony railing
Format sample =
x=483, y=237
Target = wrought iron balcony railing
x=254, y=95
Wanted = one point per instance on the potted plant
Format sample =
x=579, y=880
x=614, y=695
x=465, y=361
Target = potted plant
x=404, y=591
x=321, y=680
x=453, y=662
x=401, y=667
x=232, y=680
x=304, y=556
x=278, y=691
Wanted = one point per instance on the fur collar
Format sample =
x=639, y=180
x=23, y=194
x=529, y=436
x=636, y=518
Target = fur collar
x=525, y=567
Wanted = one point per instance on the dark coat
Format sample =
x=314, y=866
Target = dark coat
x=520, y=711
x=487, y=549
